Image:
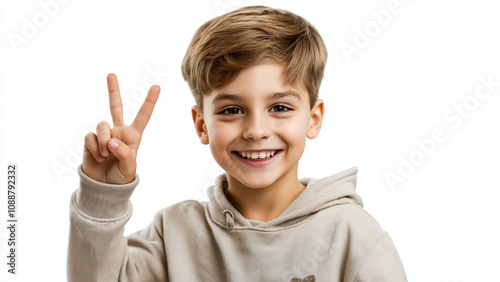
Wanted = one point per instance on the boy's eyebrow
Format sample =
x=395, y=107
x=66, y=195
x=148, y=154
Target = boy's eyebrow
x=222, y=97
x=277, y=95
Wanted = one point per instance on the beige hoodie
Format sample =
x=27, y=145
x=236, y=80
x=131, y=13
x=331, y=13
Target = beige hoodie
x=324, y=235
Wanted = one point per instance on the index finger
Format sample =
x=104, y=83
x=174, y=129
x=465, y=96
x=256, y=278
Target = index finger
x=142, y=118
x=115, y=101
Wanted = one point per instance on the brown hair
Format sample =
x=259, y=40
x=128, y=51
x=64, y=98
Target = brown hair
x=227, y=44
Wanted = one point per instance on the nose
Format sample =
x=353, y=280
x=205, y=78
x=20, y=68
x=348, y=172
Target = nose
x=256, y=127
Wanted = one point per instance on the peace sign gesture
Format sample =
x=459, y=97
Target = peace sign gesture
x=110, y=155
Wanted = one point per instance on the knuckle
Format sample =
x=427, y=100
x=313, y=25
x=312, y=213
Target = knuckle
x=89, y=137
x=103, y=125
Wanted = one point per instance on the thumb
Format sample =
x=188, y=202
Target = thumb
x=125, y=156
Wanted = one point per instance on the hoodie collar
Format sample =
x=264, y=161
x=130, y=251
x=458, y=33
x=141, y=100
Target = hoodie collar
x=319, y=194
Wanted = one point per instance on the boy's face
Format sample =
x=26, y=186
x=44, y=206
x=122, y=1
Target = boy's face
x=257, y=127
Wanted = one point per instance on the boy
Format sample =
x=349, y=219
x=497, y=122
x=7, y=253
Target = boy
x=255, y=75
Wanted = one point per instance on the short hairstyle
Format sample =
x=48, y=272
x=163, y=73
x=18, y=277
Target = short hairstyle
x=227, y=44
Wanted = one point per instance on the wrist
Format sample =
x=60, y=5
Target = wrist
x=103, y=200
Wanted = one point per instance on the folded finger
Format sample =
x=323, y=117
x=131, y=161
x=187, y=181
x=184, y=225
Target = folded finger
x=103, y=135
x=92, y=146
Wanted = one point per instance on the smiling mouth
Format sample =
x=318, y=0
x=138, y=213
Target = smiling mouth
x=257, y=156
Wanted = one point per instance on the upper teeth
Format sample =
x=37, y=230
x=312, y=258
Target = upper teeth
x=257, y=155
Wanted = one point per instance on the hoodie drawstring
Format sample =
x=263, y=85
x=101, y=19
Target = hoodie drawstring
x=229, y=219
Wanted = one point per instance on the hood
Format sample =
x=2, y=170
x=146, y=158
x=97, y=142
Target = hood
x=319, y=194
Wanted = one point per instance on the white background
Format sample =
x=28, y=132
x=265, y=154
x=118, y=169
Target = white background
x=444, y=218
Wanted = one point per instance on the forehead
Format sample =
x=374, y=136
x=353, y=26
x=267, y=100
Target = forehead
x=259, y=81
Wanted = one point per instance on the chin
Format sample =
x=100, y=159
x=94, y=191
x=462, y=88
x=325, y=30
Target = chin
x=255, y=182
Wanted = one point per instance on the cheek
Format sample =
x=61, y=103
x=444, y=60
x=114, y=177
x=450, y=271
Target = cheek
x=221, y=135
x=293, y=131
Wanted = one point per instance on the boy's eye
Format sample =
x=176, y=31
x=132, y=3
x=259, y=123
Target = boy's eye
x=279, y=108
x=232, y=111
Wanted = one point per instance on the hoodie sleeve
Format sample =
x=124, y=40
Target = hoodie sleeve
x=382, y=263
x=97, y=249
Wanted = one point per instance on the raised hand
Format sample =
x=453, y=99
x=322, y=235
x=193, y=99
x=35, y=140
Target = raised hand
x=110, y=155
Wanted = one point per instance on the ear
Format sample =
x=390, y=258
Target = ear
x=316, y=119
x=199, y=124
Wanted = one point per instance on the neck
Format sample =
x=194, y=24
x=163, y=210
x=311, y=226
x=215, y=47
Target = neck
x=263, y=204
